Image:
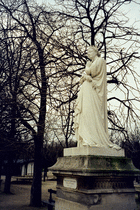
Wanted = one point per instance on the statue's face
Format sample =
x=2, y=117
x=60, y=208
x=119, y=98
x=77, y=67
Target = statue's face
x=91, y=53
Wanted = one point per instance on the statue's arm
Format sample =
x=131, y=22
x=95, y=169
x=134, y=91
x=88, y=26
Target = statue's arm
x=97, y=67
x=91, y=69
x=88, y=68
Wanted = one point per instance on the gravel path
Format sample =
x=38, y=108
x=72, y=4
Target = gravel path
x=19, y=199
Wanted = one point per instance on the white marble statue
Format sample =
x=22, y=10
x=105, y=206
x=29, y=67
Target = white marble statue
x=91, y=125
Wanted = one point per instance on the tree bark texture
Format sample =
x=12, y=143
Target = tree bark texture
x=8, y=174
x=36, y=185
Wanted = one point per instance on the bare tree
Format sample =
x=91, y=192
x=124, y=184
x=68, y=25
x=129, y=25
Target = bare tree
x=9, y=87
x=63, y=83
x=63, y=108
x=104, y=24
x=31, y=25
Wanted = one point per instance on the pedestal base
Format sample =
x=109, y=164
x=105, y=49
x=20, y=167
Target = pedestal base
x=98, y=151
x=91, y=182
x=108, y=202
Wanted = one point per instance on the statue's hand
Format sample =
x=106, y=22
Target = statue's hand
x=85, y=77
x=88, y=78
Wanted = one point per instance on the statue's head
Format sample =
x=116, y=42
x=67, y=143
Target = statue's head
x=93, y=52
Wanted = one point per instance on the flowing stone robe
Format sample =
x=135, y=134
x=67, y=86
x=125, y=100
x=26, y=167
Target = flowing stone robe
x=91, y=125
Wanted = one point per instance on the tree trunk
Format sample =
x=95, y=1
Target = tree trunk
x=38, y=139
x=35, y=199
x=0, y=171
x=8, y=174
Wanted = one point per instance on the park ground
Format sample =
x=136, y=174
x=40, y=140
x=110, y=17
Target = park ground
x=19, y=199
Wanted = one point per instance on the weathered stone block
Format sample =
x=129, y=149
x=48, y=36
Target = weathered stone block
x=98, y=151
x=109, y=202
x=95, y=183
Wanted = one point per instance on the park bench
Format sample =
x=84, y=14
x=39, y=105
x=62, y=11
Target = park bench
x=137, y=188
x=24, y=178
x=51, y=192
x=50, y=203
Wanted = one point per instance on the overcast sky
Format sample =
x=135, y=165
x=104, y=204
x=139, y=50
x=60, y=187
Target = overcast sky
x=45, y=1
x=133, y=9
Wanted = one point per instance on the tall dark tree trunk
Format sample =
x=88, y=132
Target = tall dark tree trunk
x=10, y=153
x=0, y=171
x=36, y=185
x=38, y=139
x=9, y=168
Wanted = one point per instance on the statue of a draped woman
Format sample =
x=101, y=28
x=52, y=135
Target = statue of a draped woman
x=91, y=124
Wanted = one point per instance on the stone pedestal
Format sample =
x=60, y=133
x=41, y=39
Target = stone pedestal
x=94, y=182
